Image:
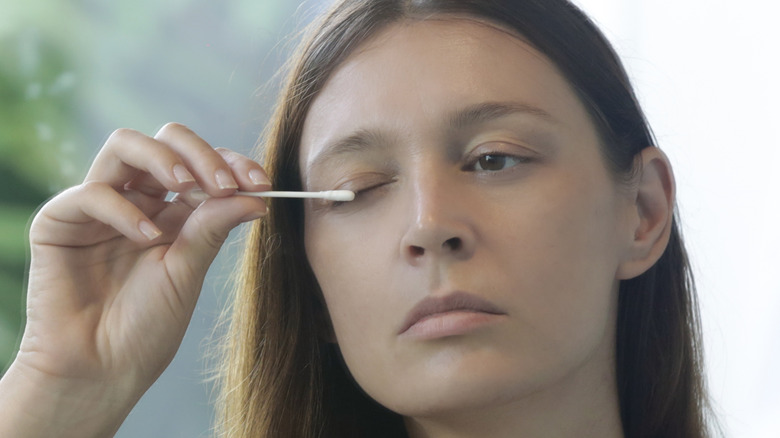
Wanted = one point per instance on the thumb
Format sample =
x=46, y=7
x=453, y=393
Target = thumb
x=203, y=234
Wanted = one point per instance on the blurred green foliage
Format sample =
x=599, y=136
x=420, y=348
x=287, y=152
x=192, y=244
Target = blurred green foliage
x=38, y=138
x=71, y=71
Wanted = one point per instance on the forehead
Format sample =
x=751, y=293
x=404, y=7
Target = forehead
x=414, y=72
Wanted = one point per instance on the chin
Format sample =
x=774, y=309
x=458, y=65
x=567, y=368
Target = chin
x=455, y=399
x=445, y=386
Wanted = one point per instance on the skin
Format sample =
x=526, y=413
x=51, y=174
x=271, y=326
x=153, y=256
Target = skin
x=109, y=299
x=116, y=270
x=545, y=233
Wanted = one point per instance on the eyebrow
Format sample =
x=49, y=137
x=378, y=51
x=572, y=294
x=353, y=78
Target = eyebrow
x=365, y=140
x=484, y=112
x=361, y=141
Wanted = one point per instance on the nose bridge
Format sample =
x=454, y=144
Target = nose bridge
x=439, y=224
x=430, y=197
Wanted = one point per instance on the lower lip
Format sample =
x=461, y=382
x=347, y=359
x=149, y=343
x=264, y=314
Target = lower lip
x=442, y=325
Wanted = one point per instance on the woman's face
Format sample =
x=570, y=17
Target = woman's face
x=482, y=194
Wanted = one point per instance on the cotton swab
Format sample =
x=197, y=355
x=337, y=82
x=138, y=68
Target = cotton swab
x=330, y=195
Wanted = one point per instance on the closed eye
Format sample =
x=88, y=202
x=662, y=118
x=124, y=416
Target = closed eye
x=360, y=193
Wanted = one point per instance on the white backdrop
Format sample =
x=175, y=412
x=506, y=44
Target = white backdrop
x=707, y=73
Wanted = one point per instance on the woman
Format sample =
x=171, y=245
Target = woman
x=511, y=265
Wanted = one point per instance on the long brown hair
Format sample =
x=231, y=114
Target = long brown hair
x=281, y=379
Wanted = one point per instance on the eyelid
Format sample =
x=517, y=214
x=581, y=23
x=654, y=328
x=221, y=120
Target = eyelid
x=502, y=147
x=362, y=181
x=360, y=194
x=508, y=149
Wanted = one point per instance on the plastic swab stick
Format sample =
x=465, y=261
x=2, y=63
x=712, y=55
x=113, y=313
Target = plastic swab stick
x=330, y=195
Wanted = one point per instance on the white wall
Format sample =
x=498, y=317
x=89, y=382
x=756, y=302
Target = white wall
x=707, y=73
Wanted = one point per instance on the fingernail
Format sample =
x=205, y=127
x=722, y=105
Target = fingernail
x=258, y=178
x=224, y=180
x=149, y=230
x=182, y=175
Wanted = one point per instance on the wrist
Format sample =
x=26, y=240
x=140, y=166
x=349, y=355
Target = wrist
x=36, y=404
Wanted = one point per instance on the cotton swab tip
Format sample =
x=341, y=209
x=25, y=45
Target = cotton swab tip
x=339, y=195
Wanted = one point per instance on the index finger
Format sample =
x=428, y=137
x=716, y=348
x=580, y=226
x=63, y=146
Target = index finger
x=128, y=153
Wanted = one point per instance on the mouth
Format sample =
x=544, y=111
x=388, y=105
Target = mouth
x=450, y=315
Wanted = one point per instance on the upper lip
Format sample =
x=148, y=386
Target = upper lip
x=454, y=301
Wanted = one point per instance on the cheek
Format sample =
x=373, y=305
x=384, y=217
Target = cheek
x=563, y=257
x=354, y=272
x=349, y=266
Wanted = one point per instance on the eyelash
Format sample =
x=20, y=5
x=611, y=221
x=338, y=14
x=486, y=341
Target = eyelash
x=358, y=193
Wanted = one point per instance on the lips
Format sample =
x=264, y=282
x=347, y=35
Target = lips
x=461, y=302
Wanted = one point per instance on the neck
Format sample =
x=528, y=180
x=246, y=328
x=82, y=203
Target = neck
x=583, y=404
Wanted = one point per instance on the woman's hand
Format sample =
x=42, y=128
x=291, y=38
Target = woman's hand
x=116, y=270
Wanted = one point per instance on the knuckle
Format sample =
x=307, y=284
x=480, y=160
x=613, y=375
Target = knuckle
x=214, y=238
x=39, y=224
x=225, y=152
x=121, y=135
x=172, y=128
x=91, y=188
x=61, y=198
x=229, y=156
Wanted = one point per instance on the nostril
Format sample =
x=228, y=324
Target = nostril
x=416, y=251
x=454, y=244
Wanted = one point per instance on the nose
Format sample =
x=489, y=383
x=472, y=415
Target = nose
x=441, y=226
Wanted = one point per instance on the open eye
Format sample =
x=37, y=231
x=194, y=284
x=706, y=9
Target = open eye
x=494, y=162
